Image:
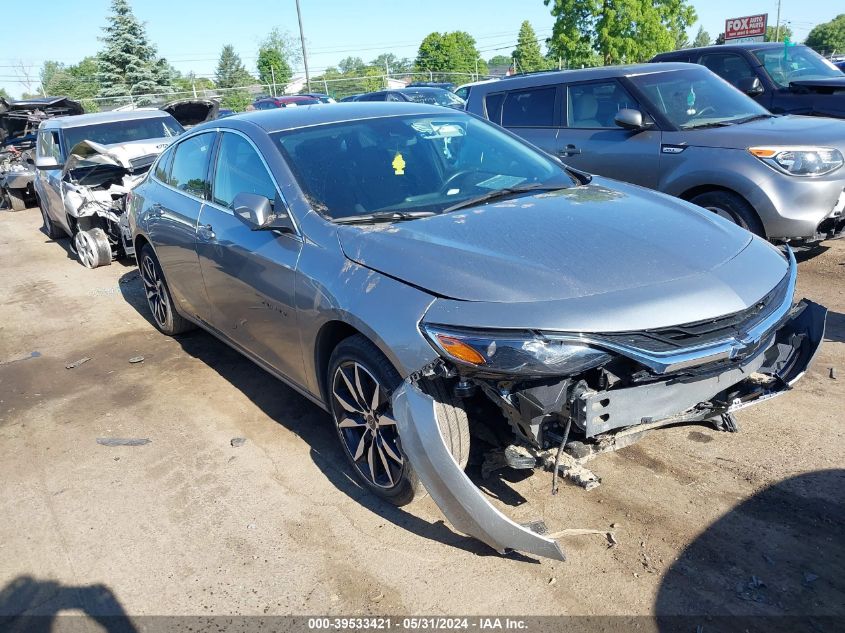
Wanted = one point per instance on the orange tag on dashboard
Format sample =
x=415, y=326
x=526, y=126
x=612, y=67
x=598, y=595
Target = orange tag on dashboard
x=398, y=164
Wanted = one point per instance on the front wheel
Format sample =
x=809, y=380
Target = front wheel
x=731, y=207
x=17, y=201
x=92, y=248
x=361, y=383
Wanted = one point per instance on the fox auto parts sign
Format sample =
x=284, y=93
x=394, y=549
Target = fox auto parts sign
x=751, y=28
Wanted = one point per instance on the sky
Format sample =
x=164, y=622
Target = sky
x=190, y=33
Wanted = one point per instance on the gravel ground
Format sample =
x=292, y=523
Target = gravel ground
x=706, y=522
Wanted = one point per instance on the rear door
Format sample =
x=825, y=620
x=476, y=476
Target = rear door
x=591, y=140
x=532, y=113
x=250, y=274
x=173, y=218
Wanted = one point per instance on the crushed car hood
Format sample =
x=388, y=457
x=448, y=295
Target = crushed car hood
x=781, y=130
x=15, y=115
x=572, y=243
x=191, y=112
x=130, y=156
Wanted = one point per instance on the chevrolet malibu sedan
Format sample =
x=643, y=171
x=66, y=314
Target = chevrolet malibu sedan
x=441, y=287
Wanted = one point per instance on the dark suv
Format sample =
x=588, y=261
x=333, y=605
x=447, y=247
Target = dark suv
x=785, y=79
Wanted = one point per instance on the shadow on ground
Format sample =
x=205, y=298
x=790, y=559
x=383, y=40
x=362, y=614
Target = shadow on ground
x=31, y=605
x=779, y=554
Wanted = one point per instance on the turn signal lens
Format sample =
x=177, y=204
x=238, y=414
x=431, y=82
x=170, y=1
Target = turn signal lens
x=460, y=350
x=762, y=152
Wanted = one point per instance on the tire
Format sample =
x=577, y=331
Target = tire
x=53, y=232
x=92, y=248
x=166, y=318
x=731, y=207
x=16, y=198
x=369, y=433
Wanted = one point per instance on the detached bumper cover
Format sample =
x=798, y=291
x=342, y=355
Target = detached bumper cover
x=463, y=504
x=783, y=362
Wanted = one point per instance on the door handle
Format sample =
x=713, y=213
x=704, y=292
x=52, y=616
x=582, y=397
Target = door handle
x=569, y=150
x=205, y=232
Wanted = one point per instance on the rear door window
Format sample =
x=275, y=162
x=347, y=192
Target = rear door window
x=493, y=106
x=189, y=172
x=534, y=107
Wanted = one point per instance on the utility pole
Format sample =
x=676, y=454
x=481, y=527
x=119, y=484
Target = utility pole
x=273, y=77
x=777, y=28
x=386, y=75
x=304, y=54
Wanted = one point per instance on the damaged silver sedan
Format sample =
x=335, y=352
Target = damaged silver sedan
x=450, y=294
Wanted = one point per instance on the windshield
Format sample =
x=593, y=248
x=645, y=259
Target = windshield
x=696, y=97
x=794, y=63
x=115, y=132
x=413, y=163
x=433, y=97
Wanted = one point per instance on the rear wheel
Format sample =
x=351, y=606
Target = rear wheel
x=361, y=383
x=731, y=207
x=17, y=201
x=166, y=319
x=92, y=248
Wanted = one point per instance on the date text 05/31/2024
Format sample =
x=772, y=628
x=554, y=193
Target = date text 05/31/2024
x=417, y=623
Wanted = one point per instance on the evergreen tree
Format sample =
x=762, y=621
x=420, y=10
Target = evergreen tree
x=702, y=38
x=230, y=71
x=527, y=53
x=128, y=63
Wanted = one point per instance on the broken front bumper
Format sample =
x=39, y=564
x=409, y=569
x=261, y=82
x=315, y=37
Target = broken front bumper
x=769, y=373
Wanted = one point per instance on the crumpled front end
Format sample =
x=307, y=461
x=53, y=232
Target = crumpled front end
x=631, y=381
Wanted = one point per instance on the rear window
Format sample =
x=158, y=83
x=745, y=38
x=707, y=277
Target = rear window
x=534, y=107
x=493, y=105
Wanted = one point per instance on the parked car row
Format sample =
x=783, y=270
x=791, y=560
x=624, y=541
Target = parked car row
x=446, y=285
x=680, y=129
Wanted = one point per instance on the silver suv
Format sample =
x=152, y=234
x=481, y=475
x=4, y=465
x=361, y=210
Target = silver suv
x=682, y=130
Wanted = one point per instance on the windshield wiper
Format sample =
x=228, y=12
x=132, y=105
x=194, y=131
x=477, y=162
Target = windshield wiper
x=754, y=117
x=701, y=126
x=502, y=193
x=383, y=216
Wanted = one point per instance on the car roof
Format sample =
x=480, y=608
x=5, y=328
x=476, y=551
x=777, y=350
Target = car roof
x=281, y=119
x=581, y=74
x=722, y=48
x=80, y=120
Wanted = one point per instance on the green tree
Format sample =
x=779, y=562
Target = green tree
x=828, y=38
x=4, y=94
x=128, y=62
x=702, y=38
x=351, y=65
x=785, y=32
x=230, y=72
x=78, y=81
x=277, y=54
x=396, y=65
x=720, y=39
x=618, y=31
x=499, y=60
x=527, y=53
x=453, y=52
x=237, y=100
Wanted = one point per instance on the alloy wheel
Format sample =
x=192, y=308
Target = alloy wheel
x=85, y=249
x=155, y=291
x=364, y=420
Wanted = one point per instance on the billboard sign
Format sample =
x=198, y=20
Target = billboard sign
x=751, y=28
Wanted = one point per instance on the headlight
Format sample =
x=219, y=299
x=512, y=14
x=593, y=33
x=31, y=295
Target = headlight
x=800, y=161
x=515, y=352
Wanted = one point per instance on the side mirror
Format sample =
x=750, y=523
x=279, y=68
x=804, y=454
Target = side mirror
x=630, y=119
x=46, y=162
x=258, y=214
x=750, y=86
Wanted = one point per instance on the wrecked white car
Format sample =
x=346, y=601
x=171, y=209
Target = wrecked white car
x=86, y=166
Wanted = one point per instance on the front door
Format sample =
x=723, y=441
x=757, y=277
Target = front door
x=48, y=181
x=250, y=274
x=592, y=141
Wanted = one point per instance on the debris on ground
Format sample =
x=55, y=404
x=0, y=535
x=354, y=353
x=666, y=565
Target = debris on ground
x=129, y=278
x=238, y=441
x=832, y=374
x=77, y=363
x=136, y=359
x=123, y=441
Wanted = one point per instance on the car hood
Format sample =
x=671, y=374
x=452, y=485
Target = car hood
x=191, y=112
x=573, y=243
x=827, y=85
x=780, y=130
x=132, y=156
